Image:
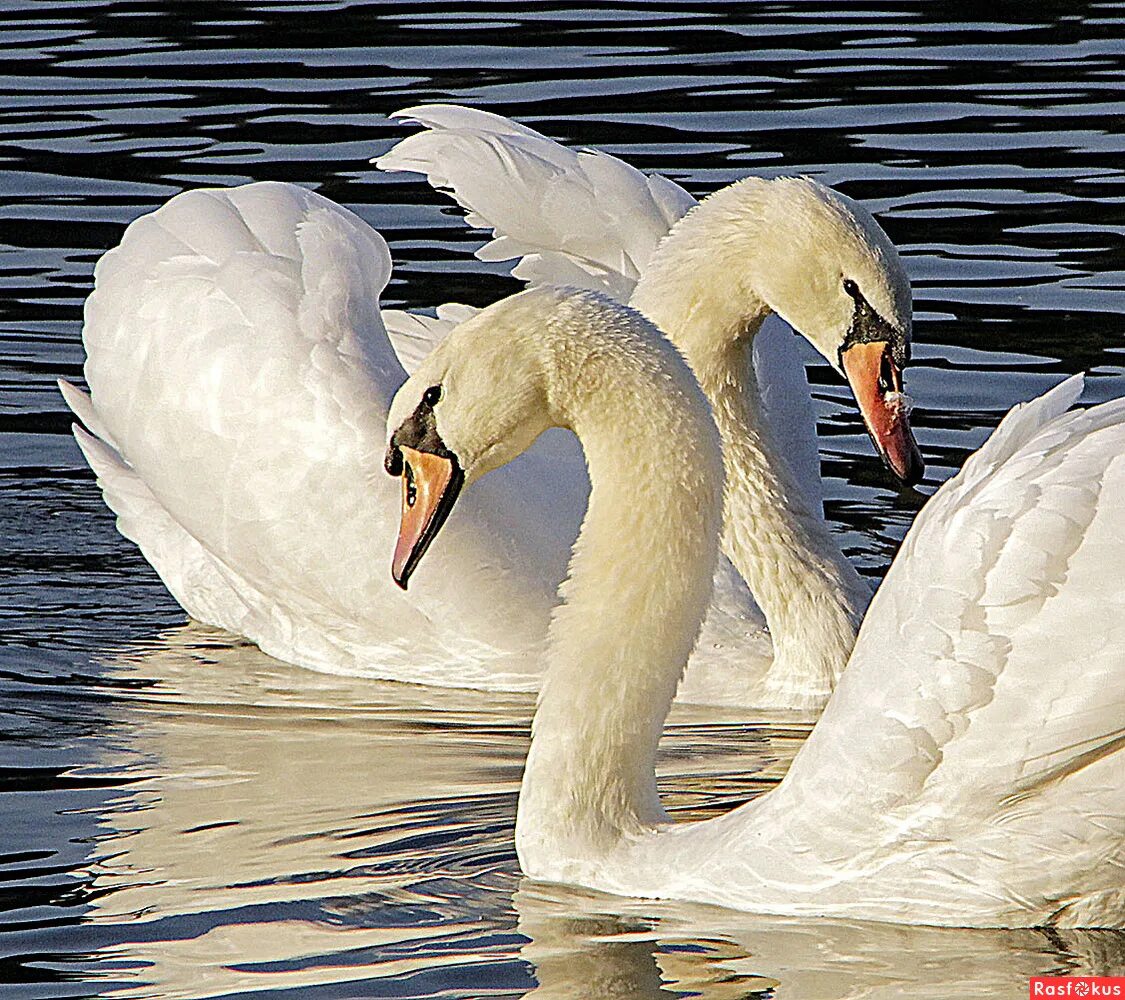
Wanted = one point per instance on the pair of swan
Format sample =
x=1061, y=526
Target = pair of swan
x=240, y=373
x=968, y=770
x=790, y=247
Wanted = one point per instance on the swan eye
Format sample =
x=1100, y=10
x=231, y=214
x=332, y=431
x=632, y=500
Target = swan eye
x=851, y=287
x=431, y=396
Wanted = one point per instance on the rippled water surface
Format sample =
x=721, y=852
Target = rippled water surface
x=181, y=815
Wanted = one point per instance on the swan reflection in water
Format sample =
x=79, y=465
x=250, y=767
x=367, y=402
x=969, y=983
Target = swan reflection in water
x=292, y=830
x=583, y=945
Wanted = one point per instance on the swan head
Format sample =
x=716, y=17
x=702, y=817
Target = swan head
x=477, y=401
x=822, y=263
x=826, y=267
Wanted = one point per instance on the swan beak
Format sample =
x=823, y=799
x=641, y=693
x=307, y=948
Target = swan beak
x=876, y=382
x=430, y=485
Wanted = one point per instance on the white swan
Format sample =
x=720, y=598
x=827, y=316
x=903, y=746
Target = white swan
x=970, y=766
x=240, y=375
x=789, y=246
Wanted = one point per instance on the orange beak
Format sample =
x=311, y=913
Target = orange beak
x=876, y=382
x=430, y=485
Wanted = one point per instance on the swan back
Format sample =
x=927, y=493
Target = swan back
x=970, y=764
x=264, y=301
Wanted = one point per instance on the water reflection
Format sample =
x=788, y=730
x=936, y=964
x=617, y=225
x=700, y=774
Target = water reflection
x=293, y=830
x=280, y=830
x=583, y=945
x=284, y=829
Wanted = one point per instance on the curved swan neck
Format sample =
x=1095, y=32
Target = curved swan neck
x=695, y=289
x=639, y=583
x=811, y=595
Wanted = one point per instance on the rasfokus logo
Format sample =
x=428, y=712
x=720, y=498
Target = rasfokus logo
x=1077, y=986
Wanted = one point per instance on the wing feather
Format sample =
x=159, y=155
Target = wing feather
x=980, y=723
x=414, y=335
x=240, y=379
x=572, y=217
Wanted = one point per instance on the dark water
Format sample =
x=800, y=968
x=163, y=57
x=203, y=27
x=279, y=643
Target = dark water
x=182, y=816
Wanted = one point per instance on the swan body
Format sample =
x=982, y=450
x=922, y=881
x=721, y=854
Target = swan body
x=239, y=368
x=708, y=275
x=240, y=376
x=969, y=768
x=239, y=361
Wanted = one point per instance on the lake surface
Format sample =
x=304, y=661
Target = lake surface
x=180, y=815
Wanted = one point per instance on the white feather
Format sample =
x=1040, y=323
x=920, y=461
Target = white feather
x=240, y=376
x=580, y=218
x=969, y=769
x=588, y=220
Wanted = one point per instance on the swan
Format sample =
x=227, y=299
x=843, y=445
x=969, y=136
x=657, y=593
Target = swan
x=240, y=373
x=969, y=768
x=708, y=275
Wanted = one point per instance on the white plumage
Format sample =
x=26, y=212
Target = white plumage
x=572, y=217
x=240, y=371
x=579, y=218
x=970, y=767
x=240, y=377
x=709, y=281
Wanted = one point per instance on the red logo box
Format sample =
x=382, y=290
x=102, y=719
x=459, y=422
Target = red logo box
x=1076, y=986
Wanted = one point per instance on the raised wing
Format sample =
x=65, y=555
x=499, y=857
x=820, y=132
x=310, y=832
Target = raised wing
x=979, y=729
x=572, y=217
